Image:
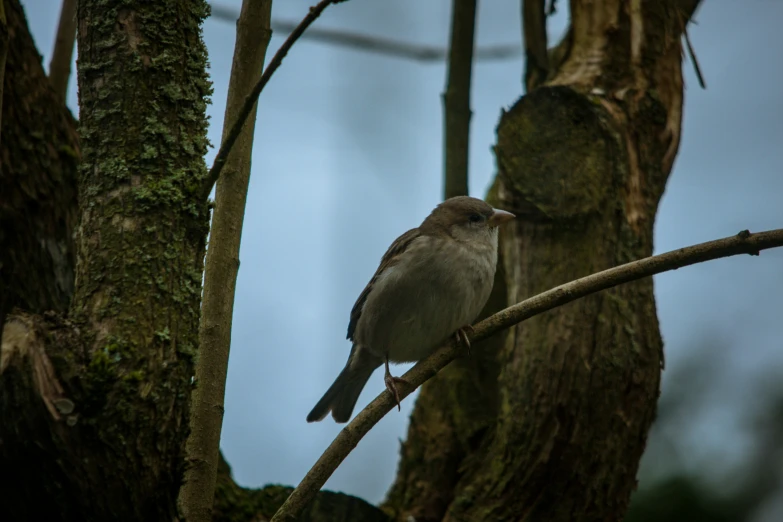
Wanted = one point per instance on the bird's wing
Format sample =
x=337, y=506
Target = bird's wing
x=389, y=259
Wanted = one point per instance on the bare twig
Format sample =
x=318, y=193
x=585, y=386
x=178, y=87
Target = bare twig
x=222, y=264
x=536, y=54
x=456, y=99
x=687, y=10
x=62, y=55
x=349, y=437
x=231, y=137
x=379, y=45
x=695, y=61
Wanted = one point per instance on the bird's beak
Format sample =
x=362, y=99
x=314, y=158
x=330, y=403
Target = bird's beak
x=499, y=217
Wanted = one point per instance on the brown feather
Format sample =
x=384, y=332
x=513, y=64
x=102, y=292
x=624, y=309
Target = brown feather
x=452, y=212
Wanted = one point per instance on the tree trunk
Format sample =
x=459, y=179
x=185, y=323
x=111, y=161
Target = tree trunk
x=39, y=153
x=549, y=422
x=107, y=441
x=93, y=407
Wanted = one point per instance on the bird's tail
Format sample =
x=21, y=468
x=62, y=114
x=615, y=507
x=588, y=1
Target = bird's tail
x=342, y=395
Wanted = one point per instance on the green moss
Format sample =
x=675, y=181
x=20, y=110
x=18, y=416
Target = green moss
x=143, y=93
x=552, y=148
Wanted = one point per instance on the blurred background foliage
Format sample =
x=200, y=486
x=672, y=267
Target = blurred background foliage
x=684, y=476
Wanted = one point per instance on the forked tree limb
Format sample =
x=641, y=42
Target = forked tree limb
x=349, y=437
x=236, y=128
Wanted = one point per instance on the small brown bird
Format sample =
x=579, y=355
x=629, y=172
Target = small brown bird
x=431, y=284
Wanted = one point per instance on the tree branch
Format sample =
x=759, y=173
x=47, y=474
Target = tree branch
x=694, y=60
x=62, y=55
x=38, y=207
x=222, y=265
x=377, y=44
x=231, y=137
x=536, y=54
x=349, y=437
x=456, y=99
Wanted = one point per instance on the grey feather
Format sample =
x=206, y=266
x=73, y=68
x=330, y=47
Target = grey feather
x=342, y=395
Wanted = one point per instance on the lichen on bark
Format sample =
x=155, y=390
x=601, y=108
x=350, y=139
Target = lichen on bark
x=123, y=360
x=140, y=242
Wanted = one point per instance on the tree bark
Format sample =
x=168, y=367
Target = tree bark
x=96, y=432
x=39, y=153
x=549, y=423
x=115, y=377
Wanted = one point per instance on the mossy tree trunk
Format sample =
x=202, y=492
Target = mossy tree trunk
x=39, y=154
x=549, y=421
x=94, y=385
x=95, y=407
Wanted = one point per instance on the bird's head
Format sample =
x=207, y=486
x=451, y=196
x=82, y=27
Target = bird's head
x=466, y=218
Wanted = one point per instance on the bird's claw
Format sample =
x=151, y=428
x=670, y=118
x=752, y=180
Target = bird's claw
x=391, y=385
x=462, y=336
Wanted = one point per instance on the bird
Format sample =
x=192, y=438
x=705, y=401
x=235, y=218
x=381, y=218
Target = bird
x=430, y=285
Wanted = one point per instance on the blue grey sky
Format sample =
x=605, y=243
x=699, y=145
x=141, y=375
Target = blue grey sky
x=348, y=156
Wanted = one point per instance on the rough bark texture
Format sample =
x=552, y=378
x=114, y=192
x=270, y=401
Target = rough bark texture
x=39, y=154
x=115, y=378
x=565, y=403
x=91, y=429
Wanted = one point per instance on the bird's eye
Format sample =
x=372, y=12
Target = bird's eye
x=474, y=218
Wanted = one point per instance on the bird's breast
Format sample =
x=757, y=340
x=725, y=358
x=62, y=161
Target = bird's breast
x=435, y=288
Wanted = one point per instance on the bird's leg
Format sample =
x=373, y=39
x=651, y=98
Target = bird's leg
x=462, y=336
x=391, y=384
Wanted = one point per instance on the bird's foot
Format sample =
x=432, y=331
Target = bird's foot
x=391, y=385
x=462, y=336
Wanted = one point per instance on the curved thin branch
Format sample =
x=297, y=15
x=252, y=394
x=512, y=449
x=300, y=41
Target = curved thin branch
x=349, y=437
x=378, y=44
x=236, y=128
